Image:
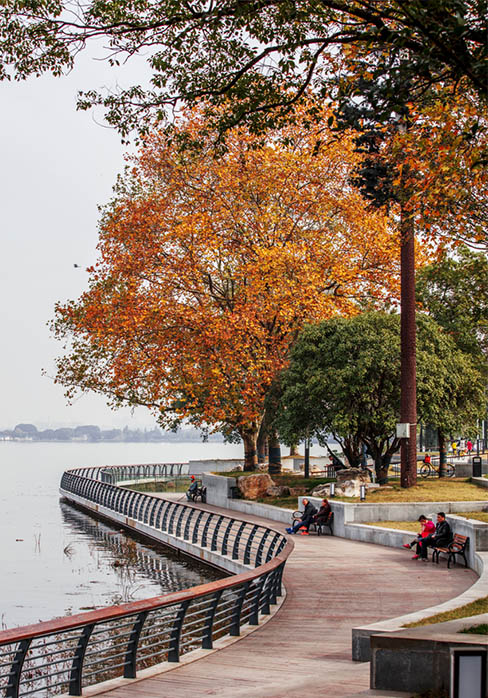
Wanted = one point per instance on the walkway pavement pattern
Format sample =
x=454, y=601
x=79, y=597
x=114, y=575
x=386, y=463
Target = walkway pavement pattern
x=332, y=585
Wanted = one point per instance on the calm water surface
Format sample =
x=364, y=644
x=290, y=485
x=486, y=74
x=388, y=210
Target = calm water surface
x=56, y=560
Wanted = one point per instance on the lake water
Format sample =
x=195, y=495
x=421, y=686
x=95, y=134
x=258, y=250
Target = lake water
x=56, y=560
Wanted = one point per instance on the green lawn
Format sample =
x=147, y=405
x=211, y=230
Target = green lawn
x=440, y=490
x=475, y=608
x=477, y=629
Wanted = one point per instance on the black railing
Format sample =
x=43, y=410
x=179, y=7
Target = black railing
x=70, y=653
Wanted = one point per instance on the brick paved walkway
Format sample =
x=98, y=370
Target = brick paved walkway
x=332, y=585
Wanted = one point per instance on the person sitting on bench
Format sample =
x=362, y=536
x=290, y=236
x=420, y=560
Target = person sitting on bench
x=193, y=489
x=426, y=528
x=441, y=538
x=307, y=518
x=323, y=514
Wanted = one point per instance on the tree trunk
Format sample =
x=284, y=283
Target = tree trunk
x=250, y=452
x=408, y=403
x=274, y=466
x=262, y=444
x=294, y=450
x=442, y=454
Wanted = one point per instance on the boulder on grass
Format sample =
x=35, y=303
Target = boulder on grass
x=298, y=491
x=348, y=474
x=254, y=486
x=278, y=491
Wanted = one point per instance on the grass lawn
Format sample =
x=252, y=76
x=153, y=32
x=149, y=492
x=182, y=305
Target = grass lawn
x=477, y=629
x=398, y=525
x=441, y=490
x=474, y=608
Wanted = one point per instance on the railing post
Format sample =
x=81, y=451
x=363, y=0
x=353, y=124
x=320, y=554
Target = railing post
x=213, y=545
x=226, y=536
x=77, y=666
x=16, y=669
x=186, y=532
x=254, y=617
x=194, y=538
x=235, y=549
x=247, y=551
x=208, y=627
x=265, y=610
x=132, y=645
x=165, y=515
x=259, y=554
x=272, y=546
x=205, y=530
x=235, y=627
x=172, y=519
x=179, y=522
x=174, y=640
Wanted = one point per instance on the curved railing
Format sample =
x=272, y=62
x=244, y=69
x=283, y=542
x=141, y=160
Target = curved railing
x=68, y=654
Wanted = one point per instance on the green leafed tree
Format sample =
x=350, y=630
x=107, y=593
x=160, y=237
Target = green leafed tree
x=263, y=55
x=454, y=291
x=343, y=379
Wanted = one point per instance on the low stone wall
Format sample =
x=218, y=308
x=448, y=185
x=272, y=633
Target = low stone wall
x=217, y=465
x=420, y=659
x=480, y=481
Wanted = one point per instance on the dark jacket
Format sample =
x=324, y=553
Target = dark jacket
x=324, y=513
x=443, y=533
x=308, y=512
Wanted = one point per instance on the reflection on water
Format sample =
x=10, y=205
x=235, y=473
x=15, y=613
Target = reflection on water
x=137, y=566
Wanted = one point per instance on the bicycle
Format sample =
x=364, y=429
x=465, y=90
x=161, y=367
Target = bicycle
x=428, y=470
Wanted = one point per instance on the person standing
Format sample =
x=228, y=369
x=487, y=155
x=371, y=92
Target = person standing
x=469, y=446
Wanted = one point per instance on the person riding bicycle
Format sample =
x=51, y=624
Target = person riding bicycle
x=427, y=459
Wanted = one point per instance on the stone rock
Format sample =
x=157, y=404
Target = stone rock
x=347, y=474
x=254, y=486
x=278, y=491
x=322, y=491
x=298, y=491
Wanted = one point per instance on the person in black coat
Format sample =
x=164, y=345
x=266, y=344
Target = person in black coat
x=439, y=539
x=323, y=513
x=309, y=512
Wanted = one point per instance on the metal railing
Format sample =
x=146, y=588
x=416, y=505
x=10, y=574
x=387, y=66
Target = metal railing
x=67, y=654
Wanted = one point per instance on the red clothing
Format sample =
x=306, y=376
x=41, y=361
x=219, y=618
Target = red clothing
x=427, y=529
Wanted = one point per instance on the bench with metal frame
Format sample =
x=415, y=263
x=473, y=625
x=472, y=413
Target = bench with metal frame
x=200, y=493
x=458, y=546
x=319, y=527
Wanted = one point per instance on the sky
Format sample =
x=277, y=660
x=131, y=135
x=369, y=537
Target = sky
x=56, y=166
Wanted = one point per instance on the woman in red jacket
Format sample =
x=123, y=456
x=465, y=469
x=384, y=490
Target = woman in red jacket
x=426, y=528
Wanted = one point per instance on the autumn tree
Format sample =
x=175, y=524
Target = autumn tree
x=210, y=266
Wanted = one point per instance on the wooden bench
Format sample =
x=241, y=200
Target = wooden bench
x=458, y=546
x=297, y=515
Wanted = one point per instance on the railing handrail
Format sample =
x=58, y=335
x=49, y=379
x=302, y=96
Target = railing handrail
x=70, y=622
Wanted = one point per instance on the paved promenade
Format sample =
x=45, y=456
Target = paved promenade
x=332, y=585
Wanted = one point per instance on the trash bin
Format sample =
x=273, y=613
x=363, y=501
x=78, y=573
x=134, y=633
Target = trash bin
x=476, y=466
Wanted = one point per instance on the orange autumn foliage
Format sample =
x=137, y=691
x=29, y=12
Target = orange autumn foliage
x=209, y=267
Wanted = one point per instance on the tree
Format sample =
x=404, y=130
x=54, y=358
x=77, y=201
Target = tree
x=454, y=291
x=260, y=55
x=343, y=379
x=210, y=267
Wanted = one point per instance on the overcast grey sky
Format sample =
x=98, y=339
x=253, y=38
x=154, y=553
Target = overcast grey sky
x=57, y=165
